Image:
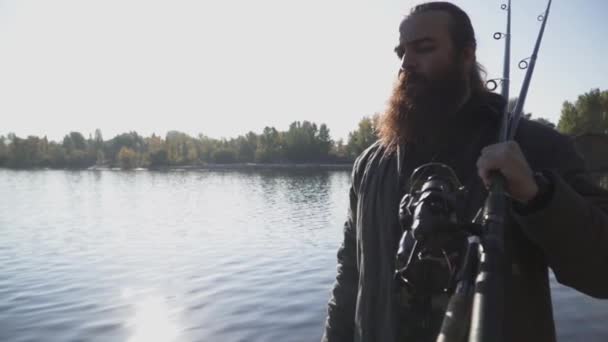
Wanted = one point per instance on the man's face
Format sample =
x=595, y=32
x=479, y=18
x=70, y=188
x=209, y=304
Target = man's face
x=427, y=55
x=432, y=82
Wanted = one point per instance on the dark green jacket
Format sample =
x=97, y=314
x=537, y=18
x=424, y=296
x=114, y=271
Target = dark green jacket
x=569, y=233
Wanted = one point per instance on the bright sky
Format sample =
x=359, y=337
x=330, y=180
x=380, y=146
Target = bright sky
x=225, y=67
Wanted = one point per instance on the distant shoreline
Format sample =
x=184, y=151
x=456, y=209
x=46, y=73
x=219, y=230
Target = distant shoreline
x=232, y=166
x=245, y=166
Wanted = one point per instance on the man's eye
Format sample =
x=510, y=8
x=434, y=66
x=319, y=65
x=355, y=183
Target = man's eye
x=425, y=49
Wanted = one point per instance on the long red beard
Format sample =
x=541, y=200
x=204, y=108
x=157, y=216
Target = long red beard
x=418, y=114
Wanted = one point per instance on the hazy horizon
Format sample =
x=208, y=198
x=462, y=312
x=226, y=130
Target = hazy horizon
x=225, y=68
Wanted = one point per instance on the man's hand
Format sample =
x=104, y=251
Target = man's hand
x=510, y=161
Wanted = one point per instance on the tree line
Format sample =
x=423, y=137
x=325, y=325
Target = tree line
x=302, y=142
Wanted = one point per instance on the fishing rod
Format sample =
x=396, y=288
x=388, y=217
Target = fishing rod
x=475, y=311
x=487, y=316
x=524, y=64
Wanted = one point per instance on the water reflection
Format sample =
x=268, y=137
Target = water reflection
x=152, y=320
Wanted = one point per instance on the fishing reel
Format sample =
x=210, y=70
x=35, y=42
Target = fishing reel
x=433, y=235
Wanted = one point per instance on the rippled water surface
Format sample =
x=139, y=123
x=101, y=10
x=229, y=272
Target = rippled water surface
x=184, y=256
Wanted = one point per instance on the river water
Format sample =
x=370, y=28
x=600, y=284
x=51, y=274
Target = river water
x=185, y=256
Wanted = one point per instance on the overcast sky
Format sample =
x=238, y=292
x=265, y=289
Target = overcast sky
x=226, y=67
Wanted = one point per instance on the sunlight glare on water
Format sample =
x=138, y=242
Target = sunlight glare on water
x=152, y=321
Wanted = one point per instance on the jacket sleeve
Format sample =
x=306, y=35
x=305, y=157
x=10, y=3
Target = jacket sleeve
x=340, y=322
x=572, y=227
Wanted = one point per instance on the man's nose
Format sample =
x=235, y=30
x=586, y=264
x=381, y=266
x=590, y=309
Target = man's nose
x=407, y=64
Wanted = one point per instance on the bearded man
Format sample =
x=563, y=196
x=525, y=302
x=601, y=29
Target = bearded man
x=440, y=111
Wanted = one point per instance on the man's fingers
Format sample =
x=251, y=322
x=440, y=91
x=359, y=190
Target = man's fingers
x=492, y=158
x=483, y=170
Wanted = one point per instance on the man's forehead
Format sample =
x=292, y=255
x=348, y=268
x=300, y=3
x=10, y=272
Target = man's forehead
x=432, y=24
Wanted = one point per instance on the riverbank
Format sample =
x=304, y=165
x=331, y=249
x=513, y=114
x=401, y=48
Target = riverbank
x=255, y=166
x=237, y=166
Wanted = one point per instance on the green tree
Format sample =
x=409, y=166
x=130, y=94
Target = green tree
x=206, y=146
x=324, y=141
x=127, y=158
x=363, y=137
x=56, y=155
x=339, y=153
x=589, y=114
x=178, y=147
x=74, y=141
x=131, y=140
x=307, y=142
x=24, y=153
x=44, y=149
x=245, y=147
x=156, y=152
x=78, y=154
x=299, y=141
x=270, y=146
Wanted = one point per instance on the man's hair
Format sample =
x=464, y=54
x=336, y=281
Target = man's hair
x=462, y=33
